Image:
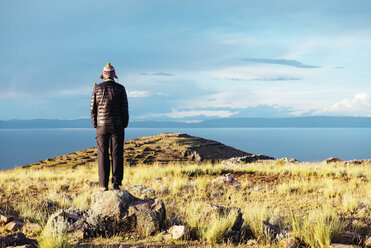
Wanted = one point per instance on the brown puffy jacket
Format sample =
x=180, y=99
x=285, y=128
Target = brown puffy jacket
x=109, y=105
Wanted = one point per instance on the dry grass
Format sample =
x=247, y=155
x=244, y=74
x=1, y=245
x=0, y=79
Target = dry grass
x=315, y=199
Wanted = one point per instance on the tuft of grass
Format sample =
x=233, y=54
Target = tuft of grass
x=51, y=239
x=220, y=227
x=317, y=229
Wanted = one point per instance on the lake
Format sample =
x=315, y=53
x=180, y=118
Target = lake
x=25, y=146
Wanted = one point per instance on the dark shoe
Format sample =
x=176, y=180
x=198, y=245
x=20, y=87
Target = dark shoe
x=116, y=186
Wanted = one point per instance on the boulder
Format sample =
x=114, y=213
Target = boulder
x=347, y=237
x=142, y=191
x=112, y=213
x=179, y=231
x=112, y=204
x=17, y=239
x=14, y=225
x=6, y=218
x=332, y=160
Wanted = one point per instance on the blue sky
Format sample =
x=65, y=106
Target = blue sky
x=187, y=60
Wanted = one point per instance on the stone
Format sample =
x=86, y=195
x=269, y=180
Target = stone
x=227, y=180
x=64, y=187
x=49, y=203
x=142, y=191
x=289, y=160
x=164, y=189
x=270, y=231
x=179, y=231
x=249, y=158
x=6, y=218
x=32, y=229
x=289, y=242
x=338, y=245
x=347, y=237
x=145, y=216
x=252, y=242
x=367, y=242
x=332, y=160
x=14, y=225
x=41, y=185
x=17, y=239
x=110, y=203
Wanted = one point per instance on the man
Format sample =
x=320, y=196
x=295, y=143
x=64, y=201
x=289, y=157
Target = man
x=110, y=117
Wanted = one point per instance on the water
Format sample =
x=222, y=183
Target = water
x=25, y=146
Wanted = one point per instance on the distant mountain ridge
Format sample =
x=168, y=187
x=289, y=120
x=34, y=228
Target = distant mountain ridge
x=291, y=122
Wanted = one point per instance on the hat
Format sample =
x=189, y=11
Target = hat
x=108, y=71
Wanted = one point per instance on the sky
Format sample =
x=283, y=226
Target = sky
x=187, y=60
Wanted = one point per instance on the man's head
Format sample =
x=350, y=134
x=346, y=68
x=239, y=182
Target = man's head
x=108, y=72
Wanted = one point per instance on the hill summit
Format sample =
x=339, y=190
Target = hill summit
x=163, y=148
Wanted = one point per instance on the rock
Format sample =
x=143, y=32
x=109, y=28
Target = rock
x=142, y=191
x=367, y=242
x=215, y=195
x=258, y=188
x=17, y=239
x=131, y=214
x=252, y=242
x=346, y=237
x=332, y=160
x=227, y=179
x=270, y=231
x=6, y=218
x=64, y=187
x=145, y=216
x=179, y=231
x=164, y=189
x=41, y=185
x=289, y=242
x=289, y=160
x=20, y=246
x=250, y=158
x=32, y=229
x=338, y=245
x=111, y=203
x=61, y=221
x=49, y=203
x=14, y=225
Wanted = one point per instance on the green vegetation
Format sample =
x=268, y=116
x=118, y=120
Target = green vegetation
x=315, y=200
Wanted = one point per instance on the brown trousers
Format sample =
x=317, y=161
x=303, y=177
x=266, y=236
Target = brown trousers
x=104, y=136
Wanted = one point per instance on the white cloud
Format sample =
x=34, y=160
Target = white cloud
x=138, y=93
x=208, y=113
x=360, y=105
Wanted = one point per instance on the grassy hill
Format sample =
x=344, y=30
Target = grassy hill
x=313, y=201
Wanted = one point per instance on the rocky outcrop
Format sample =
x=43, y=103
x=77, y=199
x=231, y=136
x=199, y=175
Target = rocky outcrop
x=250, y=158
x=111, y=213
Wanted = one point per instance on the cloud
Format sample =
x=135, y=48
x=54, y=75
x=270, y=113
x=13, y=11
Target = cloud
x=157, y=74
x=138, y=93
x=288, y=62
x=360, y=105
x=279, y=78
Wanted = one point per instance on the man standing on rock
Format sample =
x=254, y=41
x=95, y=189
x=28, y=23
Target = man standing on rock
x=110, y=116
